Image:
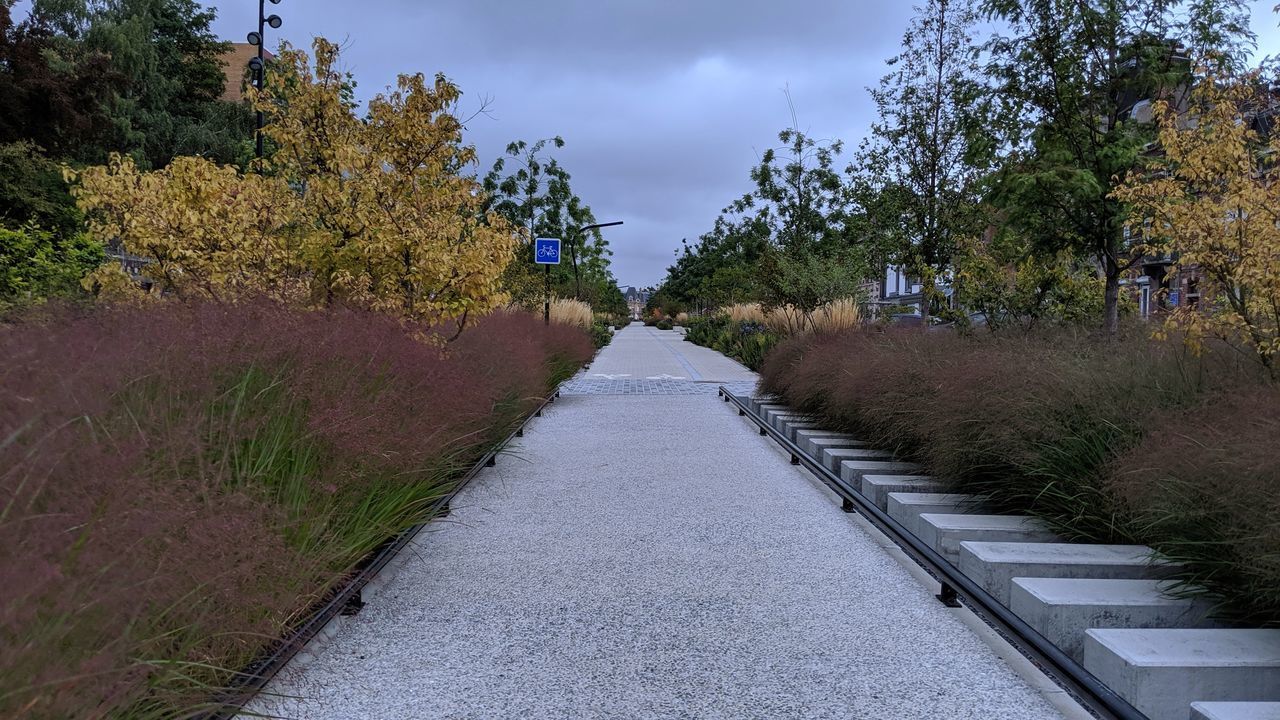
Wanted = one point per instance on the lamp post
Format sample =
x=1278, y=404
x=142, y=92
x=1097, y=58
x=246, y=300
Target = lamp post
x=546, y=306
x=259, y=64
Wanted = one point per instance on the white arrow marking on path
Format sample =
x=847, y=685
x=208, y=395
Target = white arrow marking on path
x=666, y=377
x=610, y=377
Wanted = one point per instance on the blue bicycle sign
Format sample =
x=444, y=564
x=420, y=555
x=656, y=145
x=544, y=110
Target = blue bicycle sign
x=546, y=251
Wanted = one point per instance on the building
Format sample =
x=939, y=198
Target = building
x=636, y=299
x=235, y=67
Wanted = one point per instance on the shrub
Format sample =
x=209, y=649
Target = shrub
x=682, y=319
x=664, y=324
x=601, y=335
x=1066, y=427
x=182, y=482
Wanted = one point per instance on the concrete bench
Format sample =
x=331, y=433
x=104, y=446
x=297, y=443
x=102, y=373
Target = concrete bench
x=790, y=428
x=803, y=436
x=993, y=565
x=1062, y=609
x=778, y=420
x=1235, y=711
x=833, y=456
x=945, y=531
x=1161, y=672
x=906, y=507
x=816, y=445
x=876, y=487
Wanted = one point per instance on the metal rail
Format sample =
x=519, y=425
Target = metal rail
x=956, y=585
x=346, y=600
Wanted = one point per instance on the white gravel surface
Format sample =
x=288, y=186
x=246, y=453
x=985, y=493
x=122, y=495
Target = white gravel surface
x=650, y=556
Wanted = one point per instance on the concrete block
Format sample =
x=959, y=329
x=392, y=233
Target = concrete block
x=1235, y=711
x=945, y=531
x=993, y=565
x=1062, y=609
x=816, y=445
x=832, y=457
x=803, y=436
x=777, y=420
x=906, y=507
x=886, y=478
x=1161, y=672
x=792, y=427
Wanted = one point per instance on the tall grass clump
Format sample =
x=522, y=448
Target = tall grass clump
x=747, y=332
x=179, y=484
x=574, y=313
x=1108, y=441
x=837, y=315
x=744, y=312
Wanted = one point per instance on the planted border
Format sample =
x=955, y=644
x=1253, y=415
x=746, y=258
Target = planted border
x=182, y=484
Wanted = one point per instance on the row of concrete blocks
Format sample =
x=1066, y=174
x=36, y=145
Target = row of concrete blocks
x=1107, y=606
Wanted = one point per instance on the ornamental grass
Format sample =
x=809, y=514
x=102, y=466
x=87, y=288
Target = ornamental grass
x=574, y=313
x=179, y=484
x=1115, y=441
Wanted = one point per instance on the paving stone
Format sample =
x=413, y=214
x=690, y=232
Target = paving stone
x=1062, y=609
x=993, y=565
x=945, y=531
x=906, y=507
x=1161, y=672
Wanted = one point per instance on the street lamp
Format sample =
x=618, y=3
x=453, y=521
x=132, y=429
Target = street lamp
x=546, y=306
x=259, y=64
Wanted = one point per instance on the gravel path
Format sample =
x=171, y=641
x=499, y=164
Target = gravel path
x=647, y=555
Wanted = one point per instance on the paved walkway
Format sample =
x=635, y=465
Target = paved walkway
x=645, y=554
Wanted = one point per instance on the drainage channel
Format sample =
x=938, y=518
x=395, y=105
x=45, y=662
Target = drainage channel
x=347, y=598
x=956, y=587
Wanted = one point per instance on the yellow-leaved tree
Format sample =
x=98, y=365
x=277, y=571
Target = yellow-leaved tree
x=206, y=230
x=392, y=222
x=376, y=212
x=1213, y=202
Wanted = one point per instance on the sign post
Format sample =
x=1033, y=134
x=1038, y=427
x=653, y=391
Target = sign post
x=546, y=252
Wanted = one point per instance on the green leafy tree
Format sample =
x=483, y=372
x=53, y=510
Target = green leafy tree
x=931, y=144
x=54, y=91
x=1071, y=75
x=532, y=190
x=167, y=58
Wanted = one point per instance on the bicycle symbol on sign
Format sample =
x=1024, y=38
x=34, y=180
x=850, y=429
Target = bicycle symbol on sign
x=547, y=251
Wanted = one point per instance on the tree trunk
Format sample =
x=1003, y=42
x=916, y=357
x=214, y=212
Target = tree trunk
x=1111, y=300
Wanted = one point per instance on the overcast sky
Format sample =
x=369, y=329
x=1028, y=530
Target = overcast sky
x=664, y=104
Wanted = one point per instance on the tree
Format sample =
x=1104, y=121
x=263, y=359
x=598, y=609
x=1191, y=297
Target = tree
x=1211, y=199
x=392, y=222
x=376, y=213
x=207, y=230
x=537, y=195
x=53, y=92
x=1072, y=74
x=931, y=146
x=168, y=78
